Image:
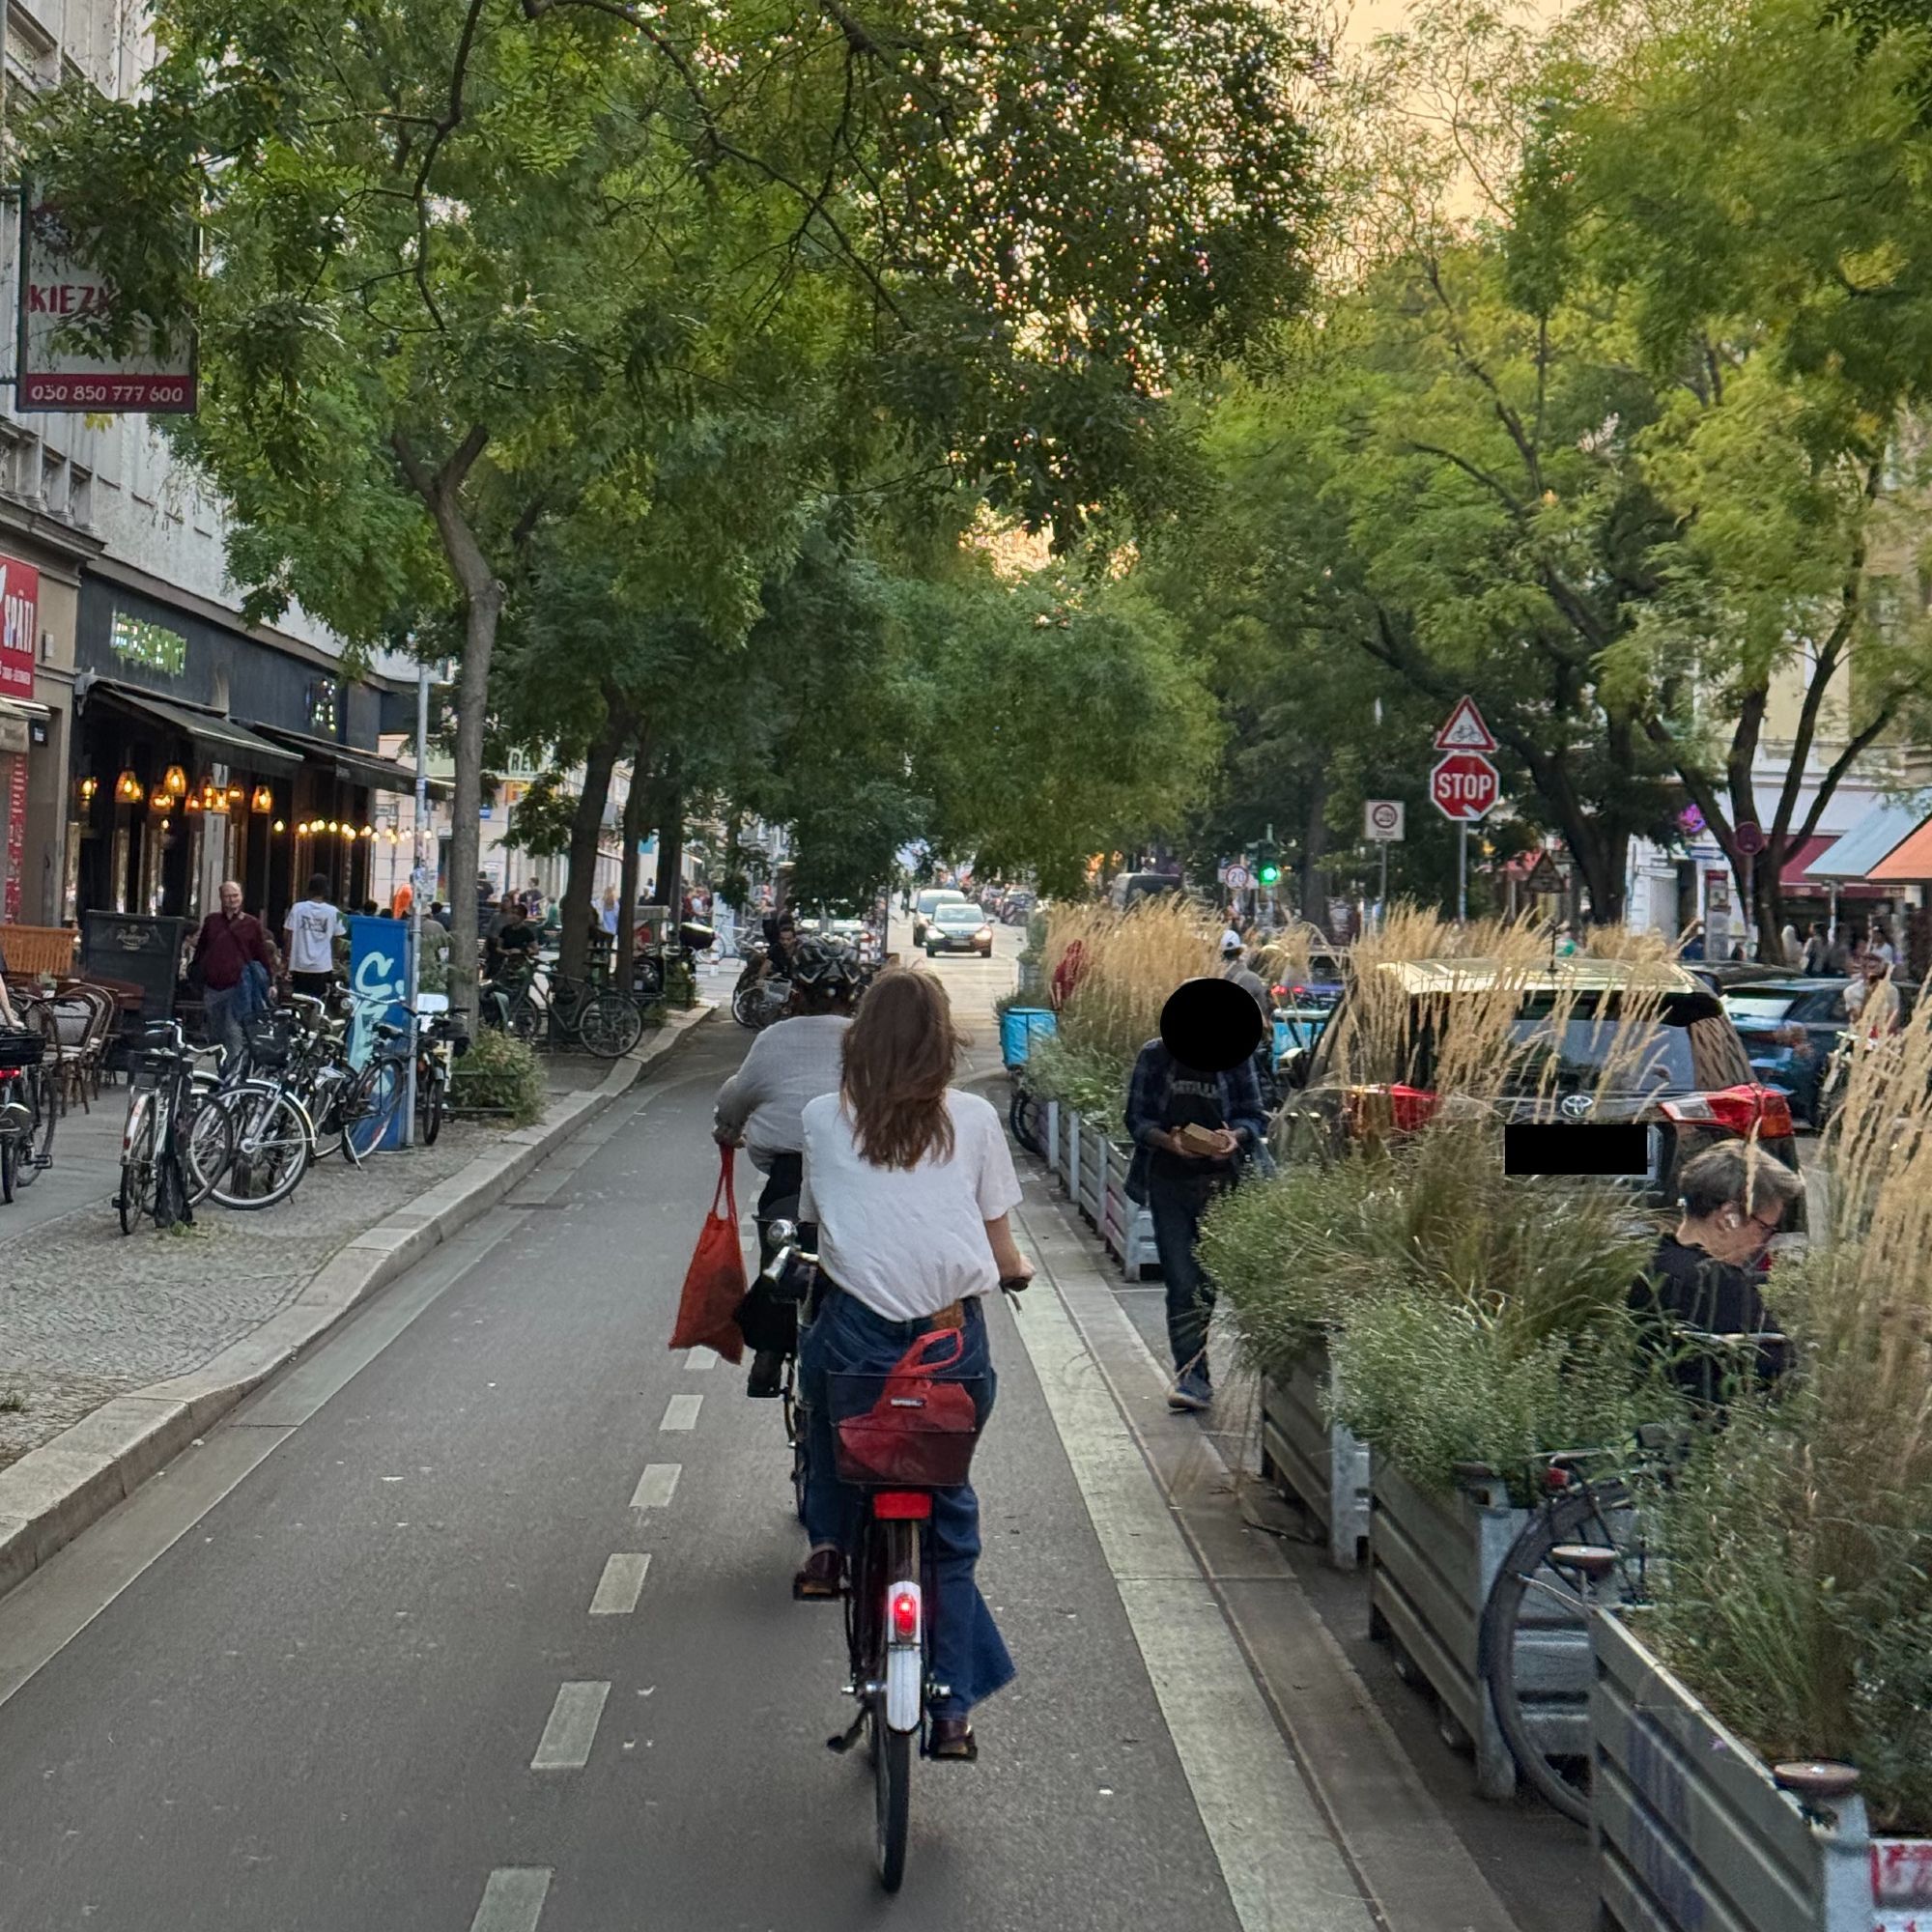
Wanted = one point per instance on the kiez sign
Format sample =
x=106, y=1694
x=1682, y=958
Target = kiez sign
x=1463, y=783
x=59, y=289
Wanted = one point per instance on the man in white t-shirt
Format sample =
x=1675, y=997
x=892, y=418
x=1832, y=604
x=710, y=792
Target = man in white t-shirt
x=311, y=930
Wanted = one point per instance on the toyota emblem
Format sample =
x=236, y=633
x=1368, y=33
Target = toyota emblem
x=1577, y=1106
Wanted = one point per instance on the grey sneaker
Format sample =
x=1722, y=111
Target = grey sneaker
x=1192, y=1392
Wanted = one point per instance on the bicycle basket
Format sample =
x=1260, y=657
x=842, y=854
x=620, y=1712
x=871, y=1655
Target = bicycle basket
x=906, y=1430
x=21, y=1046
x=268, y=1037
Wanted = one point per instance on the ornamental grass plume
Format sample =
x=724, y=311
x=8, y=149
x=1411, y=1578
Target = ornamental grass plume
x=1474, y=1316
x=1795, y=1595
x=1129, y=965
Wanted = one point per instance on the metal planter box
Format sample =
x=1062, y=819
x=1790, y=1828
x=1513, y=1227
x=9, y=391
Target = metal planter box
x=1693, y=1835
x=1319, y=1463
x=1432, y=1564
x=1126, y=1228
x=1097, y=1161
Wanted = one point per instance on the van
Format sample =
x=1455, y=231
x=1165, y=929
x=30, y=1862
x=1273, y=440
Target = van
x=1129, y=888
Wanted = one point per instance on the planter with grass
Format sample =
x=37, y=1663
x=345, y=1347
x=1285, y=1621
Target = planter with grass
x=1097, y=1158
x=1694, y=1830
x=1323, y=1466
x=1433, y=1561
x=1125, y=1227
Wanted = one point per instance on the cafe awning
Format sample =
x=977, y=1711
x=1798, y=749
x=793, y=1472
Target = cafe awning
x=219, y=737
x=1869, y=841
x=1907, y=862
x=354, y=766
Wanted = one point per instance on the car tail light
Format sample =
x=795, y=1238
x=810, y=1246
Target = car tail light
x=1738, y=1110
x=1411, y=1107
x=905, y=1616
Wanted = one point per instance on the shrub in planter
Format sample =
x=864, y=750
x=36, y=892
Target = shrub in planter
x=1085, y=1078
x=499, y=1075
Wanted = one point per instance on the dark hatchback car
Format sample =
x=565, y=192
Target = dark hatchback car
x=1686, y=1084
x=1767, y=1008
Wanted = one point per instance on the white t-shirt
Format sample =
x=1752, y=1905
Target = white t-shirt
x=313, y=926
x=906, y=1242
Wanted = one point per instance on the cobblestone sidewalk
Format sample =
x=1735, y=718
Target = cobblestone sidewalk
x=87, y=1313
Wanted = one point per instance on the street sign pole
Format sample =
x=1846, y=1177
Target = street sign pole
x=1463, y=871
x=417, y=893
x=1382, y=902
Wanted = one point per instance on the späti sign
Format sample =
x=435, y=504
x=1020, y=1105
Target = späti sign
x=1464, y=786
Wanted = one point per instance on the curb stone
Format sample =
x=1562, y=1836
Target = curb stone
x=57, y=1491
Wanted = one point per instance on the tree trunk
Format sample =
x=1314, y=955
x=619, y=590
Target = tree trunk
x=627, y=886
x=482, y=606
x=586, y=825
x=670, y=852
x=1313, y=844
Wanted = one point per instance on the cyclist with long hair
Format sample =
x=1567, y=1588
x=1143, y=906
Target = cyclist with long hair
x=911, y=1185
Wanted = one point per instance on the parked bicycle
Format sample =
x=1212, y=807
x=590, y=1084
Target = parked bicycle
x=176, y=1142
x=28, y=1103
x=546, y=1007
x=372, y=1105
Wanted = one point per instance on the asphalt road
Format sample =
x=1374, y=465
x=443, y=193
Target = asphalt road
x=480, y=1618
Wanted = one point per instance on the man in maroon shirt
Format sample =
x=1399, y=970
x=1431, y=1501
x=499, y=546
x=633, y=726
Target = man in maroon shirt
x=229, y=941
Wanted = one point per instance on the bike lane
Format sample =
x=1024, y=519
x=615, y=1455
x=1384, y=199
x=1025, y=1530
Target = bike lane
x=480, y=1618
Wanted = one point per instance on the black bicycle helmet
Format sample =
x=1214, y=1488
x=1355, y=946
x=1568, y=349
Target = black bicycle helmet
x=824, y=962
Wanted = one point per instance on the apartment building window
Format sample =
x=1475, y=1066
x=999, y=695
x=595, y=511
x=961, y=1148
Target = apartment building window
x=53, y=482
x=81, y=497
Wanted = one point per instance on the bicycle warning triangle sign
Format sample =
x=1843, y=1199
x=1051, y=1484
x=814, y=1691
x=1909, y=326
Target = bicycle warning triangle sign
x=1465, y=730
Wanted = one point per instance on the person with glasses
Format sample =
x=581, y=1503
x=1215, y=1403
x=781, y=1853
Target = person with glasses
x=1702, y=1282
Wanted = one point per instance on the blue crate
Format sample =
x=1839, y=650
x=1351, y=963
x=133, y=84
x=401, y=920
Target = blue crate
x=1017, y=1027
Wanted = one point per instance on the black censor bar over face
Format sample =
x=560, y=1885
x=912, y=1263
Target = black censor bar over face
x=1210, y=1024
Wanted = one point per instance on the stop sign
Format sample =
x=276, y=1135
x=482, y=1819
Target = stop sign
x=1464, y=786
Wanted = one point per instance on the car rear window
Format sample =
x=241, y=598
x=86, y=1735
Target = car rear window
x=958, y=915
x=1688, y=1046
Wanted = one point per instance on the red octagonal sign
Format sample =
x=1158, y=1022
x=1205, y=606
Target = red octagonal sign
x=1464, y=786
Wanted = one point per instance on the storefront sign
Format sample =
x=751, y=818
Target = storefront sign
x=19, y=626
x=16, y=838
x=154, y=645
x=58, y=289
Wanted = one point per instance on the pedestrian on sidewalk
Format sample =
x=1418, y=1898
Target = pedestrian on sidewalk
x=229, y=943
x=311, y=929
x=1195, y=1116
x=911, y=1184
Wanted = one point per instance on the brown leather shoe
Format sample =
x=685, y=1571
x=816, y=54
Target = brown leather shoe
x=817, y=1582
x=952, y=1739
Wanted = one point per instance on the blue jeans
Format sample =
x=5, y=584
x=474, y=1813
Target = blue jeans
x=969, y=1656
x=1177, y=1205
x=221, y=1009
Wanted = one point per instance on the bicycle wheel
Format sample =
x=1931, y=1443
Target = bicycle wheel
x=273, y=1137
x=1541, y=1597
x=891, y=1750
x=210, y=1145
x=610, y=1025
x=432, y=1101
x=796, y=1422
x=1023, y=1117
x=525, y=1018
x=137, y=1160
x=369, y=1108
x=10, y=1166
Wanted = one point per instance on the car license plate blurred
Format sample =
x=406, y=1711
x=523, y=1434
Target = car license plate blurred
x=1602, y=1150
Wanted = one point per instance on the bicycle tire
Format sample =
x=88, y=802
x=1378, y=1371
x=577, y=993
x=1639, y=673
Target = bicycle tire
x=138, y=1140
x=211, y=1148
x=431, y=1106
x=526, y=1019
x=273, y=1137
x=1023, y=1119
x=1526, y=1567
x=610, y=1025
x=36, y=1143
x=10, y=1166
x=369, y=1107
x=891, y=1750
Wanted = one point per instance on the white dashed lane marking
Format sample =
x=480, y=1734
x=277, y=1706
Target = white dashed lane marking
x=681, y=1411
x=701, y=1358
x=513, y=1900
x=566, y=1741
x=656, y=1486
x=617, y=1588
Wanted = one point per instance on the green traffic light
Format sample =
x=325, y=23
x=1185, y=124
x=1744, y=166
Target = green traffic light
x=1271, y=874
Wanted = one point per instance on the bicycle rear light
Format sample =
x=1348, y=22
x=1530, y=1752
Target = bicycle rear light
x=905, y=1615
